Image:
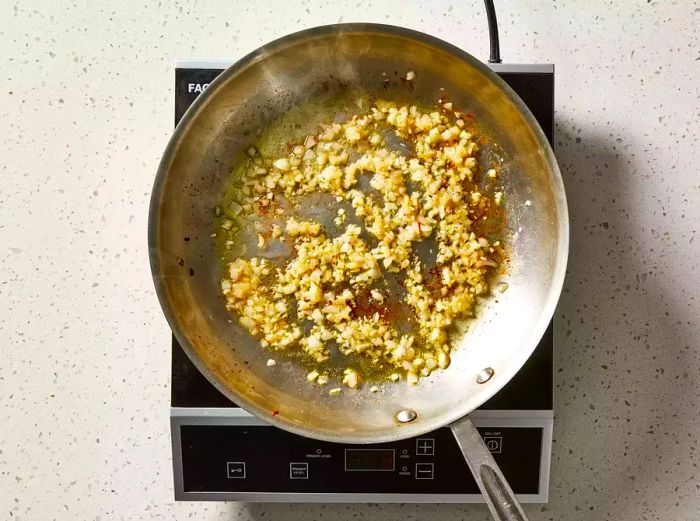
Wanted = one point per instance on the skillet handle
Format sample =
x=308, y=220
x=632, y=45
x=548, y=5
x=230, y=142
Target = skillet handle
x=497, y=493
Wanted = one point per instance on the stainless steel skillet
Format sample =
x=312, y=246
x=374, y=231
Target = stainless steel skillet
x=214, y=135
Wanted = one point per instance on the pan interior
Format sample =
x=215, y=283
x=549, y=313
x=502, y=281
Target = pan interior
x=329, y=69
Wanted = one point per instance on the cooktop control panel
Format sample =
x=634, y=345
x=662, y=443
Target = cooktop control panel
x=260, y=458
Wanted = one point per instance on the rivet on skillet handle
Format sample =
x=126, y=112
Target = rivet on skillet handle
x=493, y=485
x=406, y=415
x=485, y=375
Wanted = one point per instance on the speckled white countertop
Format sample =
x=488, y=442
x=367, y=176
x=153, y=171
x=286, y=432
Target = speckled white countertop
x=86, y=107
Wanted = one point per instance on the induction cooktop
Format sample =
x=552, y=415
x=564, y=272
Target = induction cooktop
x=221, y=452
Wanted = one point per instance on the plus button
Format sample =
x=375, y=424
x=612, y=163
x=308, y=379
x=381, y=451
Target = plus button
x=425, y=447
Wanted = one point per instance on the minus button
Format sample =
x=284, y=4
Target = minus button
x=425, y=471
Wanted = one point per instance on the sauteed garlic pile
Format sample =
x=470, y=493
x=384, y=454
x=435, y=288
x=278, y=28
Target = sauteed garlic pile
x=329, y=298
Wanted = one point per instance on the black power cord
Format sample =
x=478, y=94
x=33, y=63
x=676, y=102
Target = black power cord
x=494, y=45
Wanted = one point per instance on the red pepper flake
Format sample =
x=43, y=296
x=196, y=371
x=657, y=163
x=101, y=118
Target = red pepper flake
x=275, y=413
x=408, y=83
x=263, y=209
x=433, y=281
x=365, y=306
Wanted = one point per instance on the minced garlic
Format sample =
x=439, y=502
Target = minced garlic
x=432, y=192
x=340, y=219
